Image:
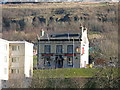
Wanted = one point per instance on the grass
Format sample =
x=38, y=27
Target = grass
x=73, y=72
x=34, y=61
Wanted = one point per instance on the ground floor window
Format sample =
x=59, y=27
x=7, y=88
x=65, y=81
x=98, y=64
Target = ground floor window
x=59, y=61
x=47, y=61
x=70, y=60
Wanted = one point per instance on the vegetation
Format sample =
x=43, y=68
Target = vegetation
x=73, y=72
x=34, y=61
x=76, y=78
x=57, y=17
x=66, y=73
x=25, y=21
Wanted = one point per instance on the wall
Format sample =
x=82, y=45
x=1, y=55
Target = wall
x=0, y=84
x=85, y=45
x=4, y=59
x=28, y=63
x=76, y=63
x=17, y=65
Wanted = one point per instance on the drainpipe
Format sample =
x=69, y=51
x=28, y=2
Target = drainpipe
x=73, y=53
x=38, y=53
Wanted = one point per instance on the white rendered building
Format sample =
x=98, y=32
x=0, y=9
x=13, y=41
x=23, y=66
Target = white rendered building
x=84, y=48
x=16, y=63
x=4, y=61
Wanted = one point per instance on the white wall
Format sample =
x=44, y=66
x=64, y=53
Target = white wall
x=4, y=59
x=84, y=44
x=28, y=65
x=0, y=84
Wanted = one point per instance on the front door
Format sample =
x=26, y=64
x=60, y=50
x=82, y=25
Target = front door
x=59, y=61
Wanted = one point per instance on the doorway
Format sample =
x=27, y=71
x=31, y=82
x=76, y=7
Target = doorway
x=59, y=61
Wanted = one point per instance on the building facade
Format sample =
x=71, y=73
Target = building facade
x=19, y=59
x=4, y=61
x=64, y=50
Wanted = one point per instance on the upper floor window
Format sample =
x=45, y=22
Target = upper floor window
x=47, y=49
x=77, y=49
x=15, y=48
x=14, y=71
x=5, y=58
x=5, y=47
x=59, y=49
x=5, y=70
x=15, y=59
x=70, y=49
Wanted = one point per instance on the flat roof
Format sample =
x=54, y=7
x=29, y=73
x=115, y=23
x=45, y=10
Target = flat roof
x=60, y=39
x=4, y=40
x=20, y=42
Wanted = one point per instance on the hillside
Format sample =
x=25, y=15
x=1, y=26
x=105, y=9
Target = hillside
x=59, y=0
x=58, y=17
x=25, y=21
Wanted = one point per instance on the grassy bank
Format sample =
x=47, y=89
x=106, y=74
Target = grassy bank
x=74, y=72
x=34, y=61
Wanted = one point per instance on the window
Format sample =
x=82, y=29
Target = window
x=5, y=58
x=15, y=59
x=4, y=86
x=5, y=70
x=70, y=60
x=47, y=49
x=58, y=48
x=47, y=61
x=15, y=48
x=70, y=49
x=77, y=49
x=30, y=72
x=14, y=71
x=5, y=47
x=85, y=63
x=17, y=70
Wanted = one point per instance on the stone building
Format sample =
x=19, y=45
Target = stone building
x=63, y=50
